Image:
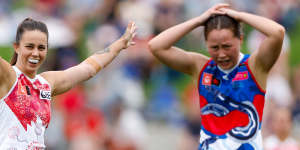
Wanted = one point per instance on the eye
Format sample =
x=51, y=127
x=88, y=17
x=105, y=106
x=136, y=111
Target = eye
x=41, y=47
x=214, y=47
x=29, y=47
x=226, y=46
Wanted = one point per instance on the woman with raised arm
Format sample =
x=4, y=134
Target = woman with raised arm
x=25, y=97
x=231, y=85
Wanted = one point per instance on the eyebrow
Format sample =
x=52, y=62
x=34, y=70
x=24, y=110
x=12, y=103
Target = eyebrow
x=42, y=46
x=35, y=44
x=29, y=44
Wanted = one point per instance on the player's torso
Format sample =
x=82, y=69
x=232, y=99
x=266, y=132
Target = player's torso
x=25, y=113
x=231, y=108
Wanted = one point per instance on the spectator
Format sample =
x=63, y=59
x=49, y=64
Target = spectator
x=281, y=125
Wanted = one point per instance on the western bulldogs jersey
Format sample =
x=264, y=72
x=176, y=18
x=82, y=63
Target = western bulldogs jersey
x=25, y=113
x=231, y=108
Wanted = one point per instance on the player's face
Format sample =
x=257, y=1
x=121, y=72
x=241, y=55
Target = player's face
x=31, y=50
x=282, y=123
x=223, y=47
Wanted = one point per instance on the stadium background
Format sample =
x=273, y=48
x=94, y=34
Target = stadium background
x=136, y=103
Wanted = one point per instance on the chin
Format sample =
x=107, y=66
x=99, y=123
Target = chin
x=32, y=69
x=227, y=67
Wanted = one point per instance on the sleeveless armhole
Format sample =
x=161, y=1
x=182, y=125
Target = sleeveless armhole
x=13, y=86
x=46, y=81
x=201, y=71
x=253, y=77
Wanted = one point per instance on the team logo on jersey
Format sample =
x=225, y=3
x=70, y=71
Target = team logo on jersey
x=45, y=95
x=241, y=76
x=207, y=78
x=21, y=89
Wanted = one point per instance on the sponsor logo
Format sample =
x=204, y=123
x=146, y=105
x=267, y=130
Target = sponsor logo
x=45, y=95
x=241, y=76
x=207, y=78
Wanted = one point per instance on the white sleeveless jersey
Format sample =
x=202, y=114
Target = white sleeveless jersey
x=25, y=113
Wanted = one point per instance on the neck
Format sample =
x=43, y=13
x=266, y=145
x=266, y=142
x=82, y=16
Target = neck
x=282, y=136
x=30, y=74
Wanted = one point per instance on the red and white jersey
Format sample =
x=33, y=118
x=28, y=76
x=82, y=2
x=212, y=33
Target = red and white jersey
x=25, y=113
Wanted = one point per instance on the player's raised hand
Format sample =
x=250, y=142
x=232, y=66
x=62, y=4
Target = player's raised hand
x=129, y=34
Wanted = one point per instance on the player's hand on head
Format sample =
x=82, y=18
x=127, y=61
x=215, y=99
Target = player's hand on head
x=216, y=10
x=129, y=34
x=230, y=12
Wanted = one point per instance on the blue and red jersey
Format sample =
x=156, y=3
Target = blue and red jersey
x=231, y=108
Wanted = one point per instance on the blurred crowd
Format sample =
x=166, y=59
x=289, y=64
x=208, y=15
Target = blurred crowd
x=136, y=103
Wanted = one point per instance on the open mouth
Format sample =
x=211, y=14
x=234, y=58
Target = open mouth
x=33, y=61
x=224, y=62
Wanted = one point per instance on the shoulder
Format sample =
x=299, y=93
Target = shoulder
x=209, y=64
x=8, y=78
x=201, y=66
x=259, y=73
x=7, y=71
x=51, y=77
x=47, y=76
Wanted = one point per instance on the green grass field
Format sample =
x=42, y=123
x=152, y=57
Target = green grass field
x=6, y=52
x=295, y=46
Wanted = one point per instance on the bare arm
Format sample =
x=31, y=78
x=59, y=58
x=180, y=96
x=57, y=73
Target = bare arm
x=187, y=62
x=7, y=77
x=262, y=60
x=62, y=81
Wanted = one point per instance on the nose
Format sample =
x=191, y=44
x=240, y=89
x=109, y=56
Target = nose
x=35, y=52
x=222, y=54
